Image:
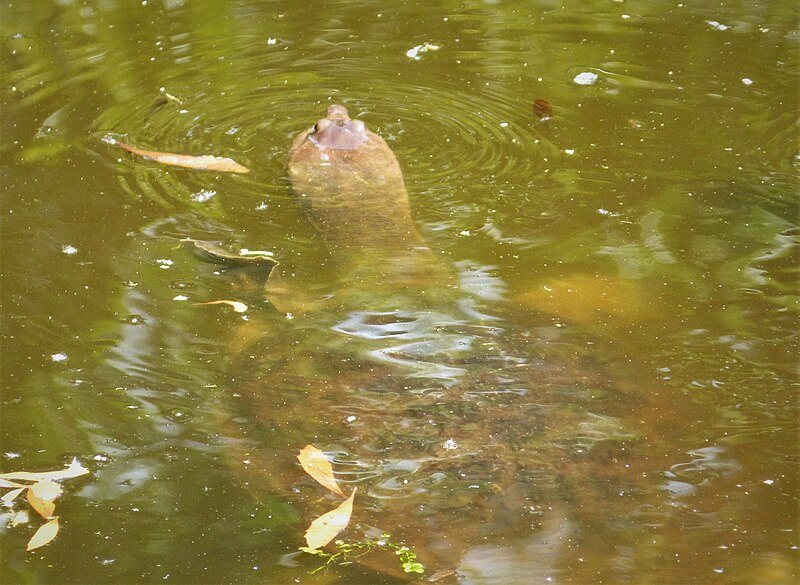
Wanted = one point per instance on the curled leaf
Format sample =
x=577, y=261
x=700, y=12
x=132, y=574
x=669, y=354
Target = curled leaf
x=44, y=535
x=213, y=252
x=75, y=469
x=204, y=162
x=326, y=527
x=238, y=306
x=316, y=464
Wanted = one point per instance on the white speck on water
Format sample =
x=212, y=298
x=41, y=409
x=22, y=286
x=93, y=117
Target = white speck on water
x=67, y=249
x=202, y=196
x=272, y=41
x=59, y=357
x=586, y=78
x=414, y=53
x=719, y=570
x=504, y=124
x=717, y=25
x=164, y=262
x=180, y=298
x=450, y=444
x=768, y=481
x=570, y=151
x=747, y=81
x=351, y=418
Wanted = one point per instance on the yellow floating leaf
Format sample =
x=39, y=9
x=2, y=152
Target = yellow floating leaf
x=237, y=306
x=41, y=495
x=75, y=469
x=204, y=162
x=46, y=489
x=326, y=527
x=44, y=535
x=9, y=497
x=317, y=466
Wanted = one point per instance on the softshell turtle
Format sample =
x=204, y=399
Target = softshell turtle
x=351, y=185
x=467, y=436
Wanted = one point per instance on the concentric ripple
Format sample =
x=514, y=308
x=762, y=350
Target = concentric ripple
x=441, y=136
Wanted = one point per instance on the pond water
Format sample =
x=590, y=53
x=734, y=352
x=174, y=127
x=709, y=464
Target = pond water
x=591, y=378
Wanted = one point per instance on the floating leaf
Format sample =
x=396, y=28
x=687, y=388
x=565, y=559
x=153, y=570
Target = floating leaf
x=44, y=535
x=327, y=526
x=20, y=517
x=75, y=469
x=204, y=162
x=41, y=495
x=9, y=497
x=4, y=483
x=238, y=306
x=317, y=466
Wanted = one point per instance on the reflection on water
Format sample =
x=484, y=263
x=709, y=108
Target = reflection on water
x=601, y=393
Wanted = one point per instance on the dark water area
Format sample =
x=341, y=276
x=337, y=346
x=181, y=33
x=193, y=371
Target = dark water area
x=589, y=377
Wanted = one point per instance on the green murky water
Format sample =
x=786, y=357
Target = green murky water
x=597, y=386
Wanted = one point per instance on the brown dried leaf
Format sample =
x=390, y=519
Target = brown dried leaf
x=327, y=526
x=41, y=495
x=204, y=162
x=542, y=108
x=9, y=497
x=75, y=469
x=317, y=466
x=44, y=535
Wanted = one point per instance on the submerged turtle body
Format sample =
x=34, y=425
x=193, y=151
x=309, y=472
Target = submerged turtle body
x=458, y=426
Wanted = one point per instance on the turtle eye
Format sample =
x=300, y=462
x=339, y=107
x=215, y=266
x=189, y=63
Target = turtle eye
x=321, y=125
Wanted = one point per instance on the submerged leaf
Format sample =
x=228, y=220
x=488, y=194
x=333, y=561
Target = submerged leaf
x=590, y=299
x=204, y=162
x=75, y=469
x=317, y=466
x=327, y=526
x=44, y=535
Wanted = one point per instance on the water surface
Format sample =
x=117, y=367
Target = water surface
x=598, y=384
